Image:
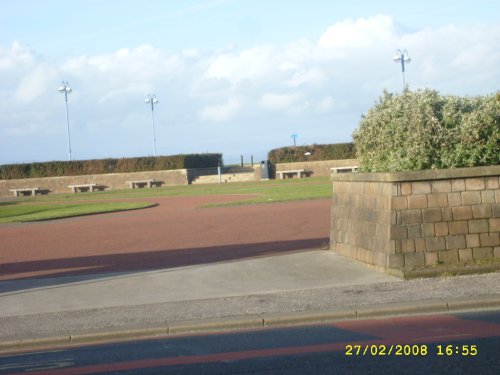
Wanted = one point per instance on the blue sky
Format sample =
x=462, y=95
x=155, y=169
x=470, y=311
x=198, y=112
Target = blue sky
x=232, y=76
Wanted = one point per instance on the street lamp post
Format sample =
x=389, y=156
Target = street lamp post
x=151, y=99
x=404, y=59
x=65, y=89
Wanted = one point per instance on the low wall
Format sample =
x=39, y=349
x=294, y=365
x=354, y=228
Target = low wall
x=109, y=181
x=319, y=168
x=194, y=174
x=116, y=181
x=418, y=220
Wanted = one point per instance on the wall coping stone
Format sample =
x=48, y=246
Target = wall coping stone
x=326, y=162
x=103, y=175
x=426, y=175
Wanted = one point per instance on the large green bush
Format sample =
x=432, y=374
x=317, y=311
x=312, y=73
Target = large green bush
x=312, y=153
x=423, y=130
x=101, y=166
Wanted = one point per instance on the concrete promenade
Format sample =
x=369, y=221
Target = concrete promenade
x=292, y=288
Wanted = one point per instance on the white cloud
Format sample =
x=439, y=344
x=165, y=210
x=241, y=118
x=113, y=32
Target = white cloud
x=209, y=87
x=15, y=55
x=325, y=105
x=313, y=76
x=222, y=112
x=360, y=33
x=144, y=62
x=279, y=102
x=191, y=53
x=26, y=130
x=251, y=64
x=293, y=84
x=36, y=83
x=288, y=66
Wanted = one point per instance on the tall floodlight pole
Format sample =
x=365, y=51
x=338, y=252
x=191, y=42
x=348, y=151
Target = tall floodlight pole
x=404, y=59
x=151, y=99
x=65, y=89
x=294, y=136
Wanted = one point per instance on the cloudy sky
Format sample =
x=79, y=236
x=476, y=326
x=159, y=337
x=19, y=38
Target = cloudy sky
x=232, y=76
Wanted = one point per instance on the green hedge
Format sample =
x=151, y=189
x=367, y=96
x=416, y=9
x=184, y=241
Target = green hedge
x=317, y=152
x=421, y=129
x=101, y=166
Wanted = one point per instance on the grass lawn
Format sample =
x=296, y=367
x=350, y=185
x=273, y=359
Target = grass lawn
x=12, y=212
x=279, y=190
x=78, y=204
x=268, y=191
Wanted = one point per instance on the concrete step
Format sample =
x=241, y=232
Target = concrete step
x=233, y=177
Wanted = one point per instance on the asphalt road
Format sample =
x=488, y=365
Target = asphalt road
x=462, y=343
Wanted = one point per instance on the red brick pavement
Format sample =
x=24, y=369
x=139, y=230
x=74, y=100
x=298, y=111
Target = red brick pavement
x=174, y=233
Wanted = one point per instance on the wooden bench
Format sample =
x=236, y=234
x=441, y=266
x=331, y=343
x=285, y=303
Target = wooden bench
x=142, y=183
x=82, y=187
x=348, y=169
x=289, y=174
x=25, y=191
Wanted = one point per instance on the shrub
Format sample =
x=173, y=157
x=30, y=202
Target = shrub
x=125, y=165
x=317, y=152
x=423, y=130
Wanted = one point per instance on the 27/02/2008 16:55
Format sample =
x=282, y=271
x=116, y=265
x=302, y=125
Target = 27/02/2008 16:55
x=409, y=350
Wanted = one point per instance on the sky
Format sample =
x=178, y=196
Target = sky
x=232, y=76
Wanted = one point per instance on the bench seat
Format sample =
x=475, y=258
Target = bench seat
x=289, y=174
x=348, y=169
x=25, y=191
x=139, y=183
x=82, y=187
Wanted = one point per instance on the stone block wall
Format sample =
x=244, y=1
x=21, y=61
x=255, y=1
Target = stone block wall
x=112, y=181
x=361, y=220
x=247, y=173
x=319, y=168
x=417, y=220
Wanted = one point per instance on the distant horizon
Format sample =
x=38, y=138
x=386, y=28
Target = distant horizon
x=231, y=76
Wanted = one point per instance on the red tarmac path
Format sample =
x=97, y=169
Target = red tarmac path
x=174, y=233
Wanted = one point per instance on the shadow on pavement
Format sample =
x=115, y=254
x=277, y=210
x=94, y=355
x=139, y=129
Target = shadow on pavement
x=95, y=266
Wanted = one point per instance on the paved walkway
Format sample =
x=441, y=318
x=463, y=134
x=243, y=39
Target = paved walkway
x=283, y=273
x=295, y=286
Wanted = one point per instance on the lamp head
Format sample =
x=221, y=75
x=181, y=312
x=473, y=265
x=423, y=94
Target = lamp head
x=64, y=87
x=151, y=99
x=405, y=56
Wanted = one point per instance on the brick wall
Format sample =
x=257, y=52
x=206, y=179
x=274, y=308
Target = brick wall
x=109, y=181
x=417, y=220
